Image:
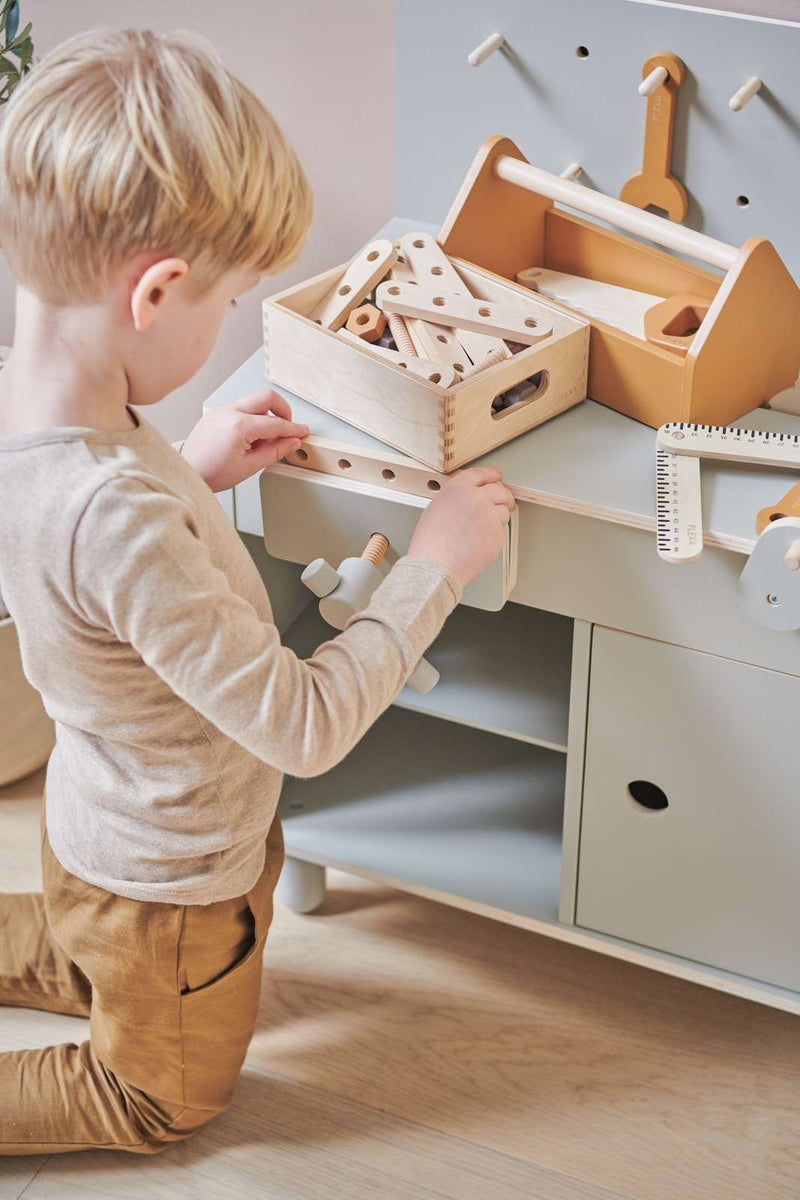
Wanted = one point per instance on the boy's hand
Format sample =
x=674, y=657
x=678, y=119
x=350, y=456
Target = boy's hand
x=230, y=443
x=464, y=528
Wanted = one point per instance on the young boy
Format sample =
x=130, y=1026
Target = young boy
x=142, y=188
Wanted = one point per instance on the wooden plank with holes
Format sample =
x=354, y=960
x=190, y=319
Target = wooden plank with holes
x=430, y=264
x=366, y=269
x=465, y=312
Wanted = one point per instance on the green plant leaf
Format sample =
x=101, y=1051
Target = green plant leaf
x=12, y=21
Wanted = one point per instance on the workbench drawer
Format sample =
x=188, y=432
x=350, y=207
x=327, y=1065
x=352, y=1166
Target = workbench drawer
x=307, y=515
x=690, y=829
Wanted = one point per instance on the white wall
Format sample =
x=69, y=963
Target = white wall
x=324, y=68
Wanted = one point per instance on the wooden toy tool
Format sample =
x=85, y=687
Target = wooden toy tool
x=431, y=265
x=345, y=592
x=788, y=506
x=465, y=312
x=679, y=447
x=654, y=185
x=428, y=341
x=366, y=269
x=434, y=372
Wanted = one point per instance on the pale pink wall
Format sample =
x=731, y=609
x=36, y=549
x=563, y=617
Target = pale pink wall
x=325, y=70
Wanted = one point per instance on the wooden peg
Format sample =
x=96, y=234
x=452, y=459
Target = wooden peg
x=657, y=77
x=654, y=185
x=367, y=322
x=745, y=94
x=573, y=171
x=494, y=42
x=788, y=506
x=366, y=269
x=465, y=312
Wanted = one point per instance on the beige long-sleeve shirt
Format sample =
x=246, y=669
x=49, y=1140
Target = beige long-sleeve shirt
x=146, y=627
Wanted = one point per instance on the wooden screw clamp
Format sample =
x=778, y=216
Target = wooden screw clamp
x=347, y=591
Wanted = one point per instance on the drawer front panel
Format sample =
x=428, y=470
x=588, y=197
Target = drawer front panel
x=307, y=516
x=611, y=575
x=711, y=876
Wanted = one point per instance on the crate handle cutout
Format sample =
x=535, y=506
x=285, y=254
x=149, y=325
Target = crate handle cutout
x=528, y=391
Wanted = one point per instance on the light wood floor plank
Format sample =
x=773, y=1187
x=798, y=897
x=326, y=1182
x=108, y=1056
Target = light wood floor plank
x=640, y=1083
x=16, y=1174
x=283, y=1141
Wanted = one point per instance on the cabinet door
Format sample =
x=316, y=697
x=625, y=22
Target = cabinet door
x=307, y=515
x=690, y=829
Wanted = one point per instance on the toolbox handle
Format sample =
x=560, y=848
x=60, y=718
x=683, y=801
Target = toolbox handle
x=625, y=216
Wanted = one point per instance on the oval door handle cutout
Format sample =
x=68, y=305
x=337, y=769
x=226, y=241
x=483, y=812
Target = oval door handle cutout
x=648, y=796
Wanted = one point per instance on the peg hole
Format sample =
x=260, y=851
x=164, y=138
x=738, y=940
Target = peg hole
x=777, y=516
x=344, y=290
x=484, y=311
x=301, y=454
x=317, y=321
x=437, y=271
x=345, y=464
x=439, y=301
x=394, y=291
x=435, y=377
x=403, y=365
x=531, y=322
x=459, y=367
x=419, y=244
x=388, y=475
x=373, y=254
x=400, y=258
x=743, y=201
x=647, y=795
x=582, y=51
x=441, y=337
x=434, y=485
x=362, y=319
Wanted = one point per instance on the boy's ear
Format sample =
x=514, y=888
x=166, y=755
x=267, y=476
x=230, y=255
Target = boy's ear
x=153, y=289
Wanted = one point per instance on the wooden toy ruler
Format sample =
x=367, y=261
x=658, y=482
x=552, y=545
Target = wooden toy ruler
x=679, y=448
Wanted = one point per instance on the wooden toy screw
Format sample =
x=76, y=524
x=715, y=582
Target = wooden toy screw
x=494, y=356
x=375, y=549
x=398, y=330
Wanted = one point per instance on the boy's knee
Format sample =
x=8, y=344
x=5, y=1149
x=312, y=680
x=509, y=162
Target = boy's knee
x=161, y=1124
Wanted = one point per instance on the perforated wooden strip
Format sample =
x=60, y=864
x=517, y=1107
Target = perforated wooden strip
x=366, y=269
x=431, y=265
x=464, y=312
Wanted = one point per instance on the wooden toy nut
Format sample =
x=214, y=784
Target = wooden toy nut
x=367, y=322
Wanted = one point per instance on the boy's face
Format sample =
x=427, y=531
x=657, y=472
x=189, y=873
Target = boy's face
x=174, y=330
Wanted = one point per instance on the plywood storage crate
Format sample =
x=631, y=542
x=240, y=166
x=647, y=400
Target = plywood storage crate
x=441, y=427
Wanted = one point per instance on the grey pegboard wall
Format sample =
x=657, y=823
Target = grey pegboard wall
x=561, y=105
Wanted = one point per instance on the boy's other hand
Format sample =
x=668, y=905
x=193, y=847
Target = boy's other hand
x=463, y=530
x=230, y=443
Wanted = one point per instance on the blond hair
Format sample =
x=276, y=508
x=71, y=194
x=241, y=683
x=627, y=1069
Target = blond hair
x=121, y=142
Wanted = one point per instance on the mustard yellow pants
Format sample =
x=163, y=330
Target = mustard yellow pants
x=172, y=993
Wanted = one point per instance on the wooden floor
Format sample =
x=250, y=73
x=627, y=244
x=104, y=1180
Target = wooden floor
x=407, y=1051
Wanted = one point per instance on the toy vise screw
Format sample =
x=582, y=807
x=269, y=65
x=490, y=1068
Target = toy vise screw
x=345, y=592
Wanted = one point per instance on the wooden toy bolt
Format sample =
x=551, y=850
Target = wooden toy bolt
x=345, y=592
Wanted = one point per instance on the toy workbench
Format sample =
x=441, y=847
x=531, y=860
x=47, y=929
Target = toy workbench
x=601, y=747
